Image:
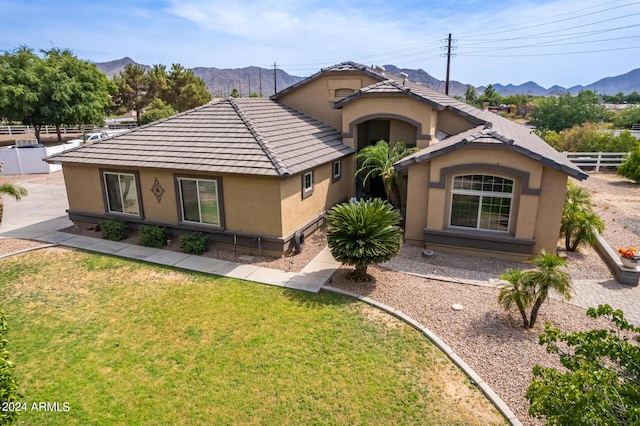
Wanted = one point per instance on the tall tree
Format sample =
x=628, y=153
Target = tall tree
x=489, y=91
x=75, y=91
x=158, y=82
x=20, y=84
x=566, y=111
x=470, y=96
x=132, y=90
x=186, y=91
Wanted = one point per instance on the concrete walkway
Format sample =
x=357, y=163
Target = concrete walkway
x=310, y=279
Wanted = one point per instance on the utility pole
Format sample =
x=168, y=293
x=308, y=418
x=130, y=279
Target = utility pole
x=275, y=81
x=446, y=86
x=260, y=78
x=249, y=84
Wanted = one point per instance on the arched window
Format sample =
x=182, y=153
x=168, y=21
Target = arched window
x=481, y=202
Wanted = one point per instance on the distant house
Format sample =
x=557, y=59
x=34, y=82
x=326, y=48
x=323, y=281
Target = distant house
x=257, y=172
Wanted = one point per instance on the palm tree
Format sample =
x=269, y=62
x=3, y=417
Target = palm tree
x=529, y=289
x=579, y=223
x=12, y=190
x=515, y=292
x=378, y=160
x=364, y=232
x=547, y=276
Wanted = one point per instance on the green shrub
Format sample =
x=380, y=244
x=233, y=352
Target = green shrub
x=8, y=384
x=114, y=230
x=631, y=167
x=196, y=243
x=589, y=137
x=153, y=236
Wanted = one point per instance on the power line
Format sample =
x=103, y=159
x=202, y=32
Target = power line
x=426, y=50
x=554, y=54
x=504, y=29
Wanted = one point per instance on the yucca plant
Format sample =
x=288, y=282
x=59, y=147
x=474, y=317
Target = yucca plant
x=378, y=160
x=364, y=232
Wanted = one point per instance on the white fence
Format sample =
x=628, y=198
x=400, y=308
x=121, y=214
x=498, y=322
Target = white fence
x=46, y=130
x=596, y=160
x=28, y=160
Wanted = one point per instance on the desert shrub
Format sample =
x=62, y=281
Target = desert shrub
x=153, y=236
x=114, y=230
x=589, y=137
x=195, y=243
x=631, y=167
x=627, y=117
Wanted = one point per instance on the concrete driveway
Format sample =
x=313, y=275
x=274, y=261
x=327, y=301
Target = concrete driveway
x=44, y=209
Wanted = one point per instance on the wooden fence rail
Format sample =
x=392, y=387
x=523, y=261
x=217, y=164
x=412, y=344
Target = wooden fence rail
x=596, y=160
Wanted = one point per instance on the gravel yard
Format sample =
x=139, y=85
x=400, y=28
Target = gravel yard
x=490, y=340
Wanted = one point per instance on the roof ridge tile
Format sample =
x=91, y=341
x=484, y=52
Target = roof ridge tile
x=277, y=163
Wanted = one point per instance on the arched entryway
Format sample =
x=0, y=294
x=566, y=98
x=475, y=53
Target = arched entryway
x=391, y=130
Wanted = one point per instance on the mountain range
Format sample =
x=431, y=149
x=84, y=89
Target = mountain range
x=266, y=82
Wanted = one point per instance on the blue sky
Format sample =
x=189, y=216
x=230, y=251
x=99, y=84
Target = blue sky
x=564, y=42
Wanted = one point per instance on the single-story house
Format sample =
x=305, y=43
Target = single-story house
x=261, y=173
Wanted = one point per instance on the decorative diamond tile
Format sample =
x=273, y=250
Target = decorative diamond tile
x=157, y=190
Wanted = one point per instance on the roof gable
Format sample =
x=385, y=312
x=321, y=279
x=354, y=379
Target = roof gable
x=342, y=68
x=488, y=136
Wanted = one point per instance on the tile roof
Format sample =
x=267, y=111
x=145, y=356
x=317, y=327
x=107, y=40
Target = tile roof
x=519, y=140
x=498, y=129
x=341, y=68
x=247, y=136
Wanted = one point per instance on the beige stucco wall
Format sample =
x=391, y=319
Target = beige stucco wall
x=387, y=107
x=251, y=204
x=452, y=124
x=297, y=211
x=84, y=190
x=165, y=211
x=532, y=216
x=549, y=214
x=316, y=97
x=417, y=202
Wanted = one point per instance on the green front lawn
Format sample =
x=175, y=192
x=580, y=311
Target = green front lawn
x=123, y=342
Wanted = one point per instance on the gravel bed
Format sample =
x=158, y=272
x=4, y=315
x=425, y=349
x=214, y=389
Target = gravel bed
x=616, y=200
x=291, y=263
x=12, y=245
x=492, y=341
